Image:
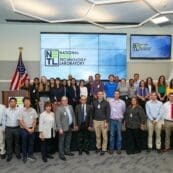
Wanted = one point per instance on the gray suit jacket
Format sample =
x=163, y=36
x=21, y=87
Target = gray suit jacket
x=62, y=119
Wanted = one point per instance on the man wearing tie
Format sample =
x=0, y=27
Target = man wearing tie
x=83, y=114
x=168, y=116
x=65, y=121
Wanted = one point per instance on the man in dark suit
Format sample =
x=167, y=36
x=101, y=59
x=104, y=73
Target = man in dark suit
x=65, y=122
x=83, y=114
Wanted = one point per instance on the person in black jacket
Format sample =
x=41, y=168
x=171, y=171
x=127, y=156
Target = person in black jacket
x=134, y=121
x=83, y=114
x=101, y=117
x=73, y=93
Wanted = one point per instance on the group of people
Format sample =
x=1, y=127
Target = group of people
x=63, y=106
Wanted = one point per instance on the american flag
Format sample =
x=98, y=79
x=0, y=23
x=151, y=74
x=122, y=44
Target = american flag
x=20, y=75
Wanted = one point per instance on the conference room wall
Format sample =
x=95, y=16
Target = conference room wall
x=13, y=36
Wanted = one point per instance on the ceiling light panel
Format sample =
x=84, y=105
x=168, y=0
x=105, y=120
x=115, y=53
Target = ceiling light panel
x=117, y=13
x=162, y=5
x=160, y=20
x=53, y=9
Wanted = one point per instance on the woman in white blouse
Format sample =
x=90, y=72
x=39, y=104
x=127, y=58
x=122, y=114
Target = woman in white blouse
x=83, y=88
x=46, y=129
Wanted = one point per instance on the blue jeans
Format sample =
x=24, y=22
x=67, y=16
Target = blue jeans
x=115, y=127
x=27, y=142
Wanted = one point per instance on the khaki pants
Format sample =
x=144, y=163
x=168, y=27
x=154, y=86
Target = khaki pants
x=168, y=128
x=2, y=141
x=157, y=128
x=101, y=132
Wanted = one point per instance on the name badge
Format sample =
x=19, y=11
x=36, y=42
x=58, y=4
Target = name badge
x=98, y=106
x=65, y=113
x=131, y=115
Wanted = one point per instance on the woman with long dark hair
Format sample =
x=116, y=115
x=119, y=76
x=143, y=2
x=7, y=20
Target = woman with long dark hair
x=161, y=88
x=134, y=121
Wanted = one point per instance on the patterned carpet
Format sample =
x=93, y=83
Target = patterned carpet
x=138, y=163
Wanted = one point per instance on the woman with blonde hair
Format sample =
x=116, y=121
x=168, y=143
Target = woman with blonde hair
x=44, y=92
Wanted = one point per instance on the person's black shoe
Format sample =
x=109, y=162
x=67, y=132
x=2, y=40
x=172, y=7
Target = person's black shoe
x=111, y=152
x=50, y=157
x=98, y=151
x=159, y=151
x=130, y=152
x=62, y=158
x=24, y=160
x=102, y=153
x=9, y=158
x=69, y=154
x=80, y=152
x=44, y=159
x=3, y=156
x=119, y=151
x=137, y=151
x=87, y=152
x=18, y=156
x=149, y=150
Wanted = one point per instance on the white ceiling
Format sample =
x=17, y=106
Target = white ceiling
x=103, y=13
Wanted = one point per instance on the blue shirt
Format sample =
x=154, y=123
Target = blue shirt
x=110, y=88
x=154, y=110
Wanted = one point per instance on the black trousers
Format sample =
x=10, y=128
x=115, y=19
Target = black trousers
x=12, y=135
x=65, y=142
x=44, y=147
x=83, y=138
x=133, y=141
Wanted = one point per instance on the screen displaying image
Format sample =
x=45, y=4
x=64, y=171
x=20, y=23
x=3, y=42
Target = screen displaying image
x=82, y=55
x=150, y=47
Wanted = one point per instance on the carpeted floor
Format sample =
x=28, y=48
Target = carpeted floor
x=139, y=163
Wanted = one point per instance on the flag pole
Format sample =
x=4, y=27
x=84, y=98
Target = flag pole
x=20, y=55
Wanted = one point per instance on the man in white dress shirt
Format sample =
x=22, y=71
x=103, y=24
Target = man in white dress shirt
x=168, y=116
x=12, y=130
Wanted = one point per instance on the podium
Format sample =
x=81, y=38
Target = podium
x=19, y=94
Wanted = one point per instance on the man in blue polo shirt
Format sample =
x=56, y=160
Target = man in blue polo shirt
x=110, y=87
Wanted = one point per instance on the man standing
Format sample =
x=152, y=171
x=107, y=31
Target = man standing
x=65, y=121
x=101, y=117
x=2, y=135
x=28, y=119
x=96, y=86
x=168, y=116
x=118, y=107
x=154, y=110
x=83, y=114
x=12, y=130
x=110, y=87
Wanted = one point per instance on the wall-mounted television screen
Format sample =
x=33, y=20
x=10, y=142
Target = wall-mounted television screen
x=150, y=46
x=82, y=55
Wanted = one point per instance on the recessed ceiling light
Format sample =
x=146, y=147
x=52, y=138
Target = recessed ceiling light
x=159, y=20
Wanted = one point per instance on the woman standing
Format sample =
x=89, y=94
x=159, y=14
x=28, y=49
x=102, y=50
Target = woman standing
x=150, y=85
x=134, y=121
x=83, y=88
x=123, y=89
x=44, y=92
x=142, y=94
x=47, y=130
x=169, y=89
x=161, y=88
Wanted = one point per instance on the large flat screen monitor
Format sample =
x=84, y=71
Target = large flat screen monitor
x=150, y=47
x=82, y=55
